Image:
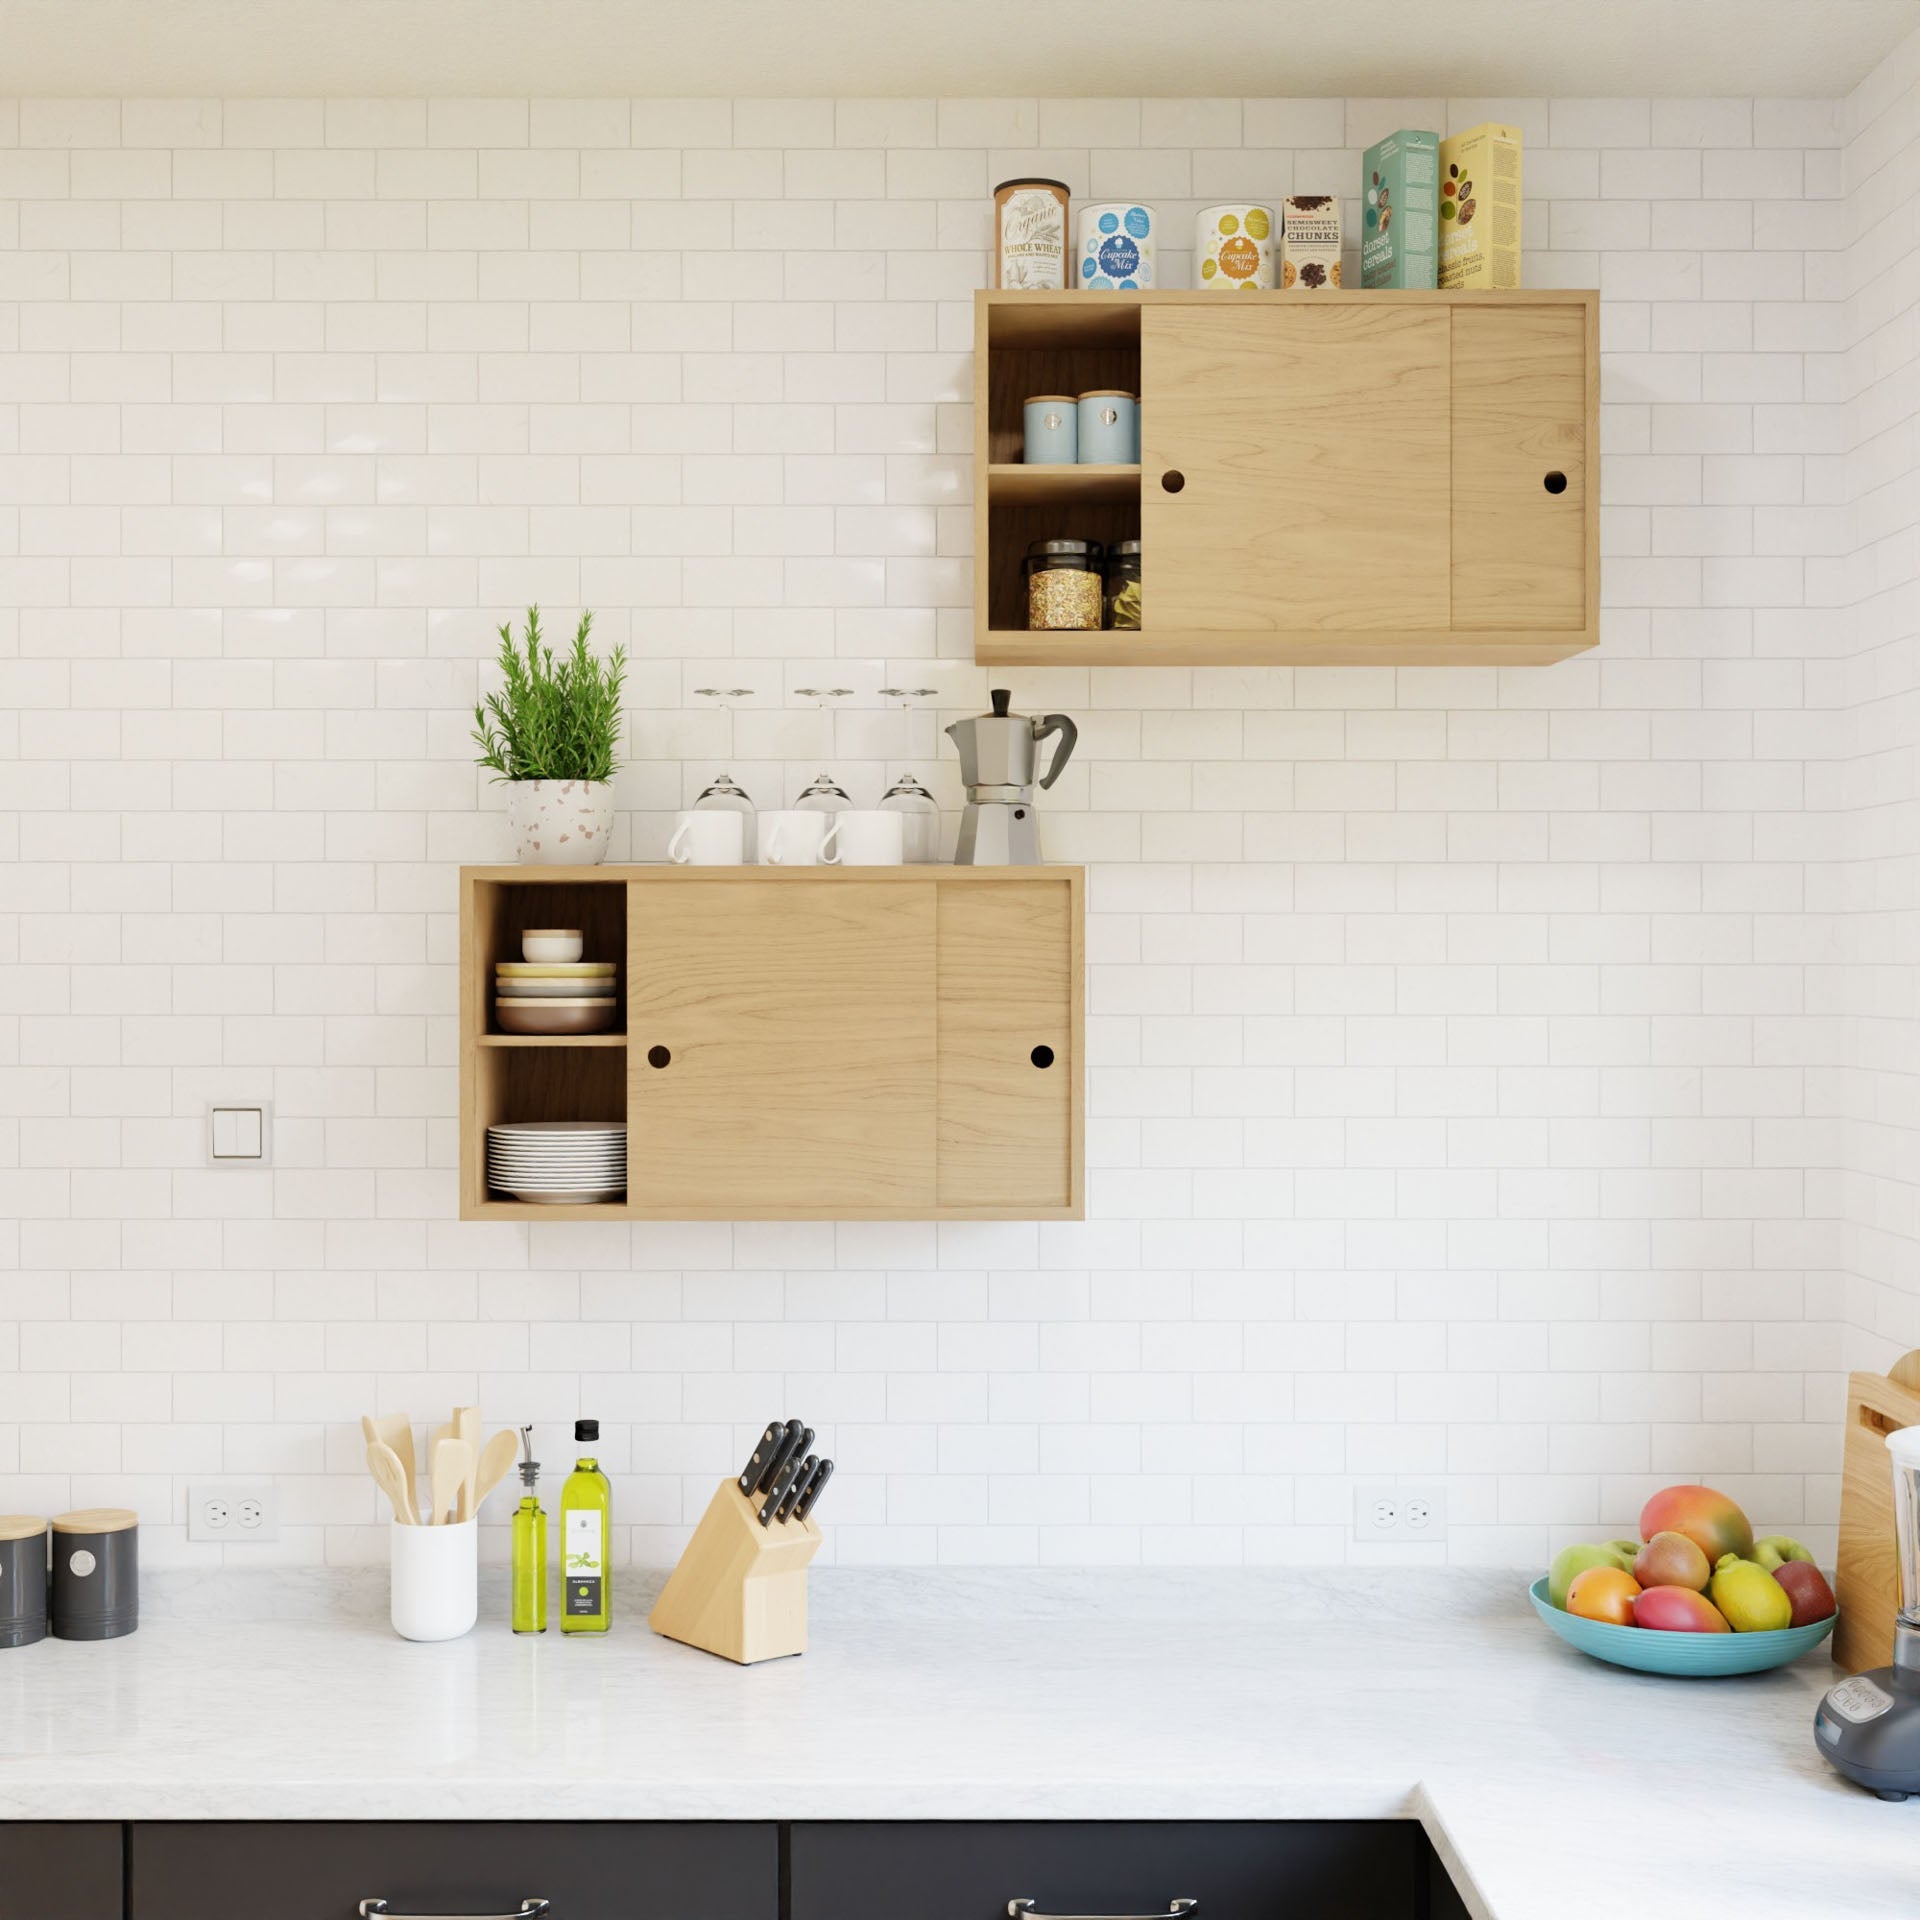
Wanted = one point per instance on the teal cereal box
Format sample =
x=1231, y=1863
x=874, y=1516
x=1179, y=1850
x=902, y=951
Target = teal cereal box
x=1400, y=211
x=1480, y=207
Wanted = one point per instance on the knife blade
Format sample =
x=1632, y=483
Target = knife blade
x=798, y=1486
x=815, y=1486
x=785, y=1448
x=762, y=1453
x=789, y=1472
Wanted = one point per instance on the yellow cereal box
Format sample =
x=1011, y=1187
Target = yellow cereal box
x=1480, y=208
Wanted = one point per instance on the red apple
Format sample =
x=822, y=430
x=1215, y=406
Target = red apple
x=1807, y=1588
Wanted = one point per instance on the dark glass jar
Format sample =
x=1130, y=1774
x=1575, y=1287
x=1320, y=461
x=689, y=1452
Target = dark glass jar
x=1123, y=585
x=1063, y=586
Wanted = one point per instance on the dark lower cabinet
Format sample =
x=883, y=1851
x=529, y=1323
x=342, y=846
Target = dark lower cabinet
x=60, y=1870
x=589, y=1870
x=1236, y=1870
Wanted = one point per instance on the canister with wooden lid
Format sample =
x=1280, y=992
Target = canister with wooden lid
x=96, y=1573
x=23, y=1579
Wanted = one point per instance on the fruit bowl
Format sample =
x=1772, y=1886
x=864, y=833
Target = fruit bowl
x=1690, y=1655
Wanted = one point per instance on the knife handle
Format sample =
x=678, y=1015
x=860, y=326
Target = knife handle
x=762, y=1453
x=815, y=1486
x=792, y=1497
x=789, y=1472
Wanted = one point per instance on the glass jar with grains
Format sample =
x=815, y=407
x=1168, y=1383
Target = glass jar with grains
x=1123, y=584
x=1063, y=585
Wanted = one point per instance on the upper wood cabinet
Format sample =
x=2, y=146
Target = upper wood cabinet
x=1397, y=478
x=797, y=1042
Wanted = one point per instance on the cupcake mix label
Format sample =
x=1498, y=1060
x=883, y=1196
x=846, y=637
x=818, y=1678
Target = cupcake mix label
x=1233, y=247
x=1117, y=245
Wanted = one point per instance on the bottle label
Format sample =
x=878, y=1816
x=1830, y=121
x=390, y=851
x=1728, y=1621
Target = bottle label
x=585, y=1565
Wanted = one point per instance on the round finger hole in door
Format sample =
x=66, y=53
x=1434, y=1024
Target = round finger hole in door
x=1041, y=1056
x=658, y=1056
x=1173, y=480
x=1555, y=482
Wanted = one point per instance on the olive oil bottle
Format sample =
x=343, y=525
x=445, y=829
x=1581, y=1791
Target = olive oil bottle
x=586, y=1530
x=529, y=1547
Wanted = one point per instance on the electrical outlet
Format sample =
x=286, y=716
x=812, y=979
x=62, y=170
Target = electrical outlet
x=1401, y=1515
x=233, y=1512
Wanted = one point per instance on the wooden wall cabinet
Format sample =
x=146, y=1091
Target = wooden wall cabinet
x=1387, y=478
x=798, y=1042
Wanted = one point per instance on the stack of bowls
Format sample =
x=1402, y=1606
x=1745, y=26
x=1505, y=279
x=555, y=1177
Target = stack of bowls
x=558, y=1163
x=552, y=990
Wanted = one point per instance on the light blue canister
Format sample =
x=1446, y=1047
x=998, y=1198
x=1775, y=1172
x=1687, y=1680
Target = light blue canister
x=1052, y=430
x=1109, y=430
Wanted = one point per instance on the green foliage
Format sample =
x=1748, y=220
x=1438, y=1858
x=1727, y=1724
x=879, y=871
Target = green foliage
x=556, y=717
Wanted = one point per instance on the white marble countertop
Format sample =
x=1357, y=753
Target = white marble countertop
x=1552, y=1786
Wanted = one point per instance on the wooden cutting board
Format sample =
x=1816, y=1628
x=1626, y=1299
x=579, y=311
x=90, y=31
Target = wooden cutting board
x=1867, y=1578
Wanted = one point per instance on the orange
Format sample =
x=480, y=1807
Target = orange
x=1604, y=1593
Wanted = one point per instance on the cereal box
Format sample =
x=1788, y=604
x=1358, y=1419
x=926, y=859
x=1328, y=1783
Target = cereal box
x=1480, y=208
x=1399, y=211
x=1309, y=242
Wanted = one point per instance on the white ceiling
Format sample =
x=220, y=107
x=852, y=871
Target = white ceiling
x=1402, y=48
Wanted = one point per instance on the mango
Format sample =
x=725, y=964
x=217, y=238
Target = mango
x=1751, y=1598
x=1710, y=1520
x=1678, y=1610
x=1608, y=1593
x=1570, y=1562
x=1776, y=1550
x=1672, y=1560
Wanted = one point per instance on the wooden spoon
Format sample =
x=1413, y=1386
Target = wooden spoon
x=466, y=1429
x=395, y=1430
x=452, y=1463
x=496, y=1462
x=392, y=1480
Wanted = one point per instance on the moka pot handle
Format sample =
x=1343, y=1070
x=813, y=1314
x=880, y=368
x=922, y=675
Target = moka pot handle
x=1047, y=723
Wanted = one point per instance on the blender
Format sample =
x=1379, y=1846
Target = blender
x=999, y=754
x=1869, y=1726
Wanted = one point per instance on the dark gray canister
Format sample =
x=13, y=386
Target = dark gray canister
x=23, y=1579
x=96, y=1574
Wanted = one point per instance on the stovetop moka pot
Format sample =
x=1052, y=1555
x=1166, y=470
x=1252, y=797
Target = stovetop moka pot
x=999, y=753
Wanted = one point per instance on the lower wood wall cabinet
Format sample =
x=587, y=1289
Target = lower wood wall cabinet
x=797, y=1042
x=322, y=1870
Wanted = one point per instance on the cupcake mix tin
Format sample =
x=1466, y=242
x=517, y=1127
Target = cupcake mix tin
x=1116, y=245
x=1233, y=247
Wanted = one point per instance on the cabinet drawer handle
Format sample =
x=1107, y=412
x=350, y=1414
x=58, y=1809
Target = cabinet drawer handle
x=528, y=1909
x=1025, y=1910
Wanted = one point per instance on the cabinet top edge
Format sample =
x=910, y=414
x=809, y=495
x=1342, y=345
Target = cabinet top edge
x=1028, y=298
x=924, y=873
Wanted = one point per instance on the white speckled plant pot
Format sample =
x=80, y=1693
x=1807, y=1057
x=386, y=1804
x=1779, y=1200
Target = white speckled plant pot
x=560, y=823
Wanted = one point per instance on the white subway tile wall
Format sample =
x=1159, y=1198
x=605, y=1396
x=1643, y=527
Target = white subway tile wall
x=1495, y=1076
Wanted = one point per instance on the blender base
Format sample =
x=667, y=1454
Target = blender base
x=1868, y=1728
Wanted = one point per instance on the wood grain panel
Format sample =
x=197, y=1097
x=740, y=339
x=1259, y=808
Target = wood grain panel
x=1005, y=988
x=1520, y=408
x=1313, y=440
x=800, y=1025
x=1867, y=1572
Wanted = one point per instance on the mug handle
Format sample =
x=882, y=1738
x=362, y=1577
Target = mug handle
x=674, y=845
x=770, y=853
x=828, y=841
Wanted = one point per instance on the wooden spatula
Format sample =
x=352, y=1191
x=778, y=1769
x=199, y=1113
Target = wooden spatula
x=466, y=1429
x=452, y=1463
x=392, y=1479
x=395, y=1430
x=496, y=1462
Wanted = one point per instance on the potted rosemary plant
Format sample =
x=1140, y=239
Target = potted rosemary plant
x=551, y=733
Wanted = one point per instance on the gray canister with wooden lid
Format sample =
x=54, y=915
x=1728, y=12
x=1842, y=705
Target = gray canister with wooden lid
x=96, y=1574
x=23, y=1579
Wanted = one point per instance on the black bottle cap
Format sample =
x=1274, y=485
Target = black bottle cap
x=586, y=1429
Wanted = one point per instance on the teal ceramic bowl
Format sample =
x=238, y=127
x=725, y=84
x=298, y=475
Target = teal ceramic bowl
x=1695, y=1656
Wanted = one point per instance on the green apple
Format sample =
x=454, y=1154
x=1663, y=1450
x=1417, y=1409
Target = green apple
x=1776, y=1550
x=1570, y=1562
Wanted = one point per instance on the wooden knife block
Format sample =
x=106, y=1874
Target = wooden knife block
x=1867, y=1575
x=740, y=1589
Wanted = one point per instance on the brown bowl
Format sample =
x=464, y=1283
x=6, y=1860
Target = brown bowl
x=555, y=1016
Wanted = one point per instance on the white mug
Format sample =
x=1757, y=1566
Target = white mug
x=707, y=837
x=865, y=837
x=791, y=837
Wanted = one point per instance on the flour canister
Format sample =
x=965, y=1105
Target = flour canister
x=1233, y=247
x=96, y=1574
x=1116, y=244
x=23, y=1579
x=1030, y=233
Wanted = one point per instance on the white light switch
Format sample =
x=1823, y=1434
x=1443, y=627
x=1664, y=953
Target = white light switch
x=239, y=1133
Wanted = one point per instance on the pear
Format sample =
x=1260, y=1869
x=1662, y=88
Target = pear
x=1776, y=1550
x=1751, y=1598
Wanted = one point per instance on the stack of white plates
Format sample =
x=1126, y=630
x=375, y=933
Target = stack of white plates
x=558, y=1163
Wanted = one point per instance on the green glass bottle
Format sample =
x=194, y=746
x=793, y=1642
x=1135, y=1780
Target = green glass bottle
x=529, y=1547
x=586, y=1538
